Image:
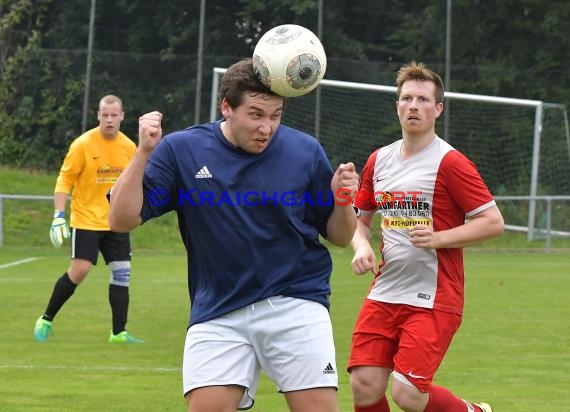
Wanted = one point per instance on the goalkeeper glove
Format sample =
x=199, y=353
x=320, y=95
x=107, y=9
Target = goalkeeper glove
x=59, y=229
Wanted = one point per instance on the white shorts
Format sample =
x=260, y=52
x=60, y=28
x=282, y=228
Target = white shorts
x=290, y=339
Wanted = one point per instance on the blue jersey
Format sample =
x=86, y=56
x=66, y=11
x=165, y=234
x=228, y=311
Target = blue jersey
x=250, y=222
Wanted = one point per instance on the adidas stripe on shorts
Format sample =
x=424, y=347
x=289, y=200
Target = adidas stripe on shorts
x=290, y=339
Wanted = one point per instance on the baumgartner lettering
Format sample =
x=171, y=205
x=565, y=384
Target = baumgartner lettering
x=386, y=200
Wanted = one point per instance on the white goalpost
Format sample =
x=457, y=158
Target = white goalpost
x=521, y=147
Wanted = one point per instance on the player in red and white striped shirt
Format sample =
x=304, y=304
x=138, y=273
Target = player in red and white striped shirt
x=432, y=202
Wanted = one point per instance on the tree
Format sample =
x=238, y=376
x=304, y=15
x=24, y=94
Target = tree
x=145, y=52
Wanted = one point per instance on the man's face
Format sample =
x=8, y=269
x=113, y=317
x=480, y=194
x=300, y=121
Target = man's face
x=417, y=107
x=110, y=116
x=252, y=124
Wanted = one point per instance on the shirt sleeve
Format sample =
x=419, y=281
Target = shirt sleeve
x=469, y=190
x=72, y=166
x=319, y=212
x=160, y=195
x=364, y=198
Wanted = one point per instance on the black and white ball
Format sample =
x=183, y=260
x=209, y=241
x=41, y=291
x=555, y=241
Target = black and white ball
x=290, y=60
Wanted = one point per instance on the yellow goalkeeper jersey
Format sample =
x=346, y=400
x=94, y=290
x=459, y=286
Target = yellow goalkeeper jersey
x=91, y=167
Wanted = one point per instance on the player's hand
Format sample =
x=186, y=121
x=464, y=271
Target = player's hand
x=150, y=131
x=364, y=260
x=59, y=229
x=345, y=183
x=423, y=236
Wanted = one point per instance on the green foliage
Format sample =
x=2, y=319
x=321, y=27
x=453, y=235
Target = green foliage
x=145, y=52
x=39, y=98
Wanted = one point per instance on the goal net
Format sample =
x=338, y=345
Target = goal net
x=520, y=147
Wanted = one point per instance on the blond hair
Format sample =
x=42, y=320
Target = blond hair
x=110, y=99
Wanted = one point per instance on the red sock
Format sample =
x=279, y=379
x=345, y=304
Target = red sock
x=442, y=400
x=380, y=406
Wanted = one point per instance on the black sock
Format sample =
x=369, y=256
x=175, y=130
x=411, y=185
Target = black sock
x=119, y=300
x=62, y=291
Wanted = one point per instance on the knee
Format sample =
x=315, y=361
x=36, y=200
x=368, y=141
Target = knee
x=78, y=270
x=120, y=273
x=408, y=397
x=402, y=397
x=367, y=385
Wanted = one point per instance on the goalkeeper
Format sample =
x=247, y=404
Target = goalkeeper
x=92, y=165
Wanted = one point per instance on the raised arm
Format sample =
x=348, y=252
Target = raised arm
x=127, y=194
x=342, y=222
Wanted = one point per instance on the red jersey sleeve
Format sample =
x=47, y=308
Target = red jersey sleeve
x=364, y=199
x=469, y=191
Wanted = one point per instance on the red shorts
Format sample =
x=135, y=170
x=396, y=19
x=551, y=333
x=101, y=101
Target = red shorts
x=409, y=340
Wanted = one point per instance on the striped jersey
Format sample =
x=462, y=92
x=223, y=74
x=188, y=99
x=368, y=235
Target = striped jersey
x=438, y=187
x=250, y=222
x=91, y=167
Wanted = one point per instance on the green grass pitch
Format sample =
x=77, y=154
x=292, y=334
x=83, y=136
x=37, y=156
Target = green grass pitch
x=512, y=349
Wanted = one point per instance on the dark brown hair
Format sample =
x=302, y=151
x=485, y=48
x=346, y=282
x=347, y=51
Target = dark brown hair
x=241, y=78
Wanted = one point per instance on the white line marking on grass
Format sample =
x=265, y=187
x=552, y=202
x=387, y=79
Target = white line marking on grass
x=18, y=262
x=88, y=368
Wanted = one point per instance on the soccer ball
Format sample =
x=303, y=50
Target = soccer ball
x=290, y=60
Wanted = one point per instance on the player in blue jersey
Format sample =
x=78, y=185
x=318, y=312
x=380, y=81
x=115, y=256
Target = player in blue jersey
x=252, y=197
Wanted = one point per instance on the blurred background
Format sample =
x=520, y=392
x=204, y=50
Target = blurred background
x=57, y=58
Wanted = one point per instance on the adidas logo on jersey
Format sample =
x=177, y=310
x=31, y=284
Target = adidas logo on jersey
x=203, y=173
x=329, y=370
